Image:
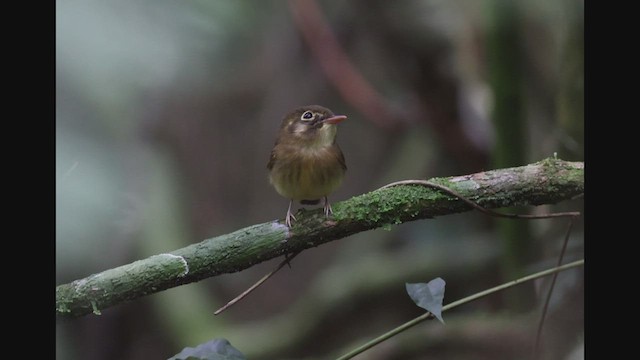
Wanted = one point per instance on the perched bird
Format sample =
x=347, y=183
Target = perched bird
x=306, y=163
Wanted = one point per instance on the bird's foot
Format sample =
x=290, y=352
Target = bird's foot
x=327, y=208
x=289, y=216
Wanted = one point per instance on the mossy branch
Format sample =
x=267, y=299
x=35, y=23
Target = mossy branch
x=545, y=182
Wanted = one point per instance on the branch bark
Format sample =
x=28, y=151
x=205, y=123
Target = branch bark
x=546, y=182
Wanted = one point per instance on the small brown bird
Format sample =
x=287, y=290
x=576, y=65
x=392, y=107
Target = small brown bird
x=306, y=163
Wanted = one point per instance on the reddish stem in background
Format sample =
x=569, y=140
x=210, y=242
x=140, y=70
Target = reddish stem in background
x=359, y=93
x=353, y=87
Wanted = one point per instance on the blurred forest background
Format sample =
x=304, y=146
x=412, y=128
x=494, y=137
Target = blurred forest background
x=166, y=112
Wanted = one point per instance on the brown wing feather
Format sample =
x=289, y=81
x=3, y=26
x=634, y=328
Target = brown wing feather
x=343, y=163
x=272, y=160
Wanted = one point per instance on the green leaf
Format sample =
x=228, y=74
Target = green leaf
x=428, y=296
x=216, y=349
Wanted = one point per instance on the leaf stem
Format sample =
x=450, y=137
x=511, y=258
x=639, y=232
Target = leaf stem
x=456, y=303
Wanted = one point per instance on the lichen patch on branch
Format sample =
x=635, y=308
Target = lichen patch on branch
x=276, y=225
x=182, y=259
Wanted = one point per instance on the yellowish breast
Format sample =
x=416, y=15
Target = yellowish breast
x=307, y=174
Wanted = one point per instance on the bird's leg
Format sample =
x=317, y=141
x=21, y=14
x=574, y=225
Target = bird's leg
x=289, y=215
x=327, y=208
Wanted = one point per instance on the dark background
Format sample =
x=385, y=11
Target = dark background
x=166, y=112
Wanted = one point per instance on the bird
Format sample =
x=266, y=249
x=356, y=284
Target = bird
x=306, y=163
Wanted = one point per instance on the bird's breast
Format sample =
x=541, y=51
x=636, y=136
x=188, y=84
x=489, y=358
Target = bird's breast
x=307, y=174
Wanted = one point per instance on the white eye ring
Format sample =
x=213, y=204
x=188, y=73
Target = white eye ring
x=308, y=115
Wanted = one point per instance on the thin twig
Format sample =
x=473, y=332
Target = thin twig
x=457, y=303
x=548, y=299
x=286, y=261
x=476, y=206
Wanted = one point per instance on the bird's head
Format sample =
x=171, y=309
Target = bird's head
x=311, y=125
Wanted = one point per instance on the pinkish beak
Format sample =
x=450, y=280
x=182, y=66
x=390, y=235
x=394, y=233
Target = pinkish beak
x=335, y=119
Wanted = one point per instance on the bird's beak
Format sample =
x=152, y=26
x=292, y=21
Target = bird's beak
x=334, y=119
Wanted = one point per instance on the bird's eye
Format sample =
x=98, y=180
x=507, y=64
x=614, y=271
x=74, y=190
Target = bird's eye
x=308, y=115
